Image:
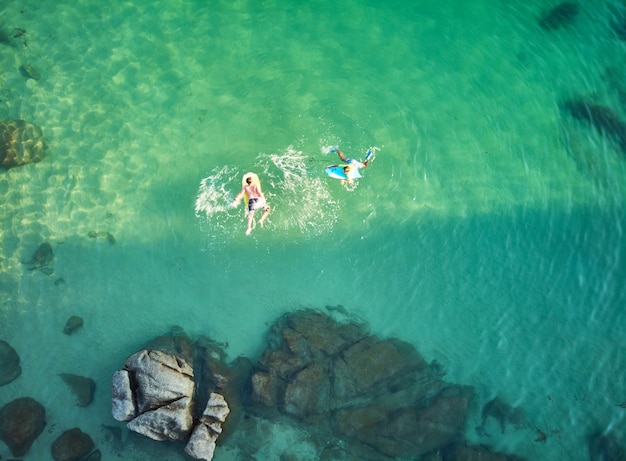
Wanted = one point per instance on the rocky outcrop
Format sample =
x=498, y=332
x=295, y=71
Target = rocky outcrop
x=21, y=422
x=351, y=394
x=10, y=368
x=154, y=393
x=379, y=395
x=158, y=392
x=20, y=143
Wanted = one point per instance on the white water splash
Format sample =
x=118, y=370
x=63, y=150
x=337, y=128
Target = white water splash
x=295, y=188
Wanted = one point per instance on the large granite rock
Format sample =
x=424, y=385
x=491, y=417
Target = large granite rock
x=160, y=395
x=201, y=444
x=9, y=363
x=20, y=143
x=154, y=394
x=379, y=395
x=21, y=422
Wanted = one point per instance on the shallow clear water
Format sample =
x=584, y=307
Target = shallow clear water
x=488, y=231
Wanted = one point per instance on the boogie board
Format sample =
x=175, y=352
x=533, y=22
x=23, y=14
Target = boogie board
x=336, y=172
x=255, y=180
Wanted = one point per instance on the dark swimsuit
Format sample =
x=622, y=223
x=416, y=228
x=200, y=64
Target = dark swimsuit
x=251, y=203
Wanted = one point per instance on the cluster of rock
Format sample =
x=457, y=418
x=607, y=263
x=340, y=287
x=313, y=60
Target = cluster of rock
x=23, y=419
x=357, y=396
x=159, y=394
x=354, y=395
x=21, y=142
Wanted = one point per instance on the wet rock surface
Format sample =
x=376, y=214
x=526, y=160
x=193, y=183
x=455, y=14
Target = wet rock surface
x=162, y=396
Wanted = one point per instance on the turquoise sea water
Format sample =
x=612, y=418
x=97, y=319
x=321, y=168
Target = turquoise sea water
x=488, y=231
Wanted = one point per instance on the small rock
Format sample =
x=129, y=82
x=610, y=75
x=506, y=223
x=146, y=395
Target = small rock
x=73, y=323
x=28, y=71
x=42, y=257
x=110, y=238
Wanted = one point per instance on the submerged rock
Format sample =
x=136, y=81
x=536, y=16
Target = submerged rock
x=375, y=394
x=503, y=413
x=606, y=447
x=602, y=118
x=73, y=323
x=41, y=259
x=10, y=368
x=21, y=422
x=84, y=388
x=110, y=238
x=28, y=71
x=72, y=445
x=561, y=15
x=476, y=453
x=20, y=143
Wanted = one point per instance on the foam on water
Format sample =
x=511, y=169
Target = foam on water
x=300, y=200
